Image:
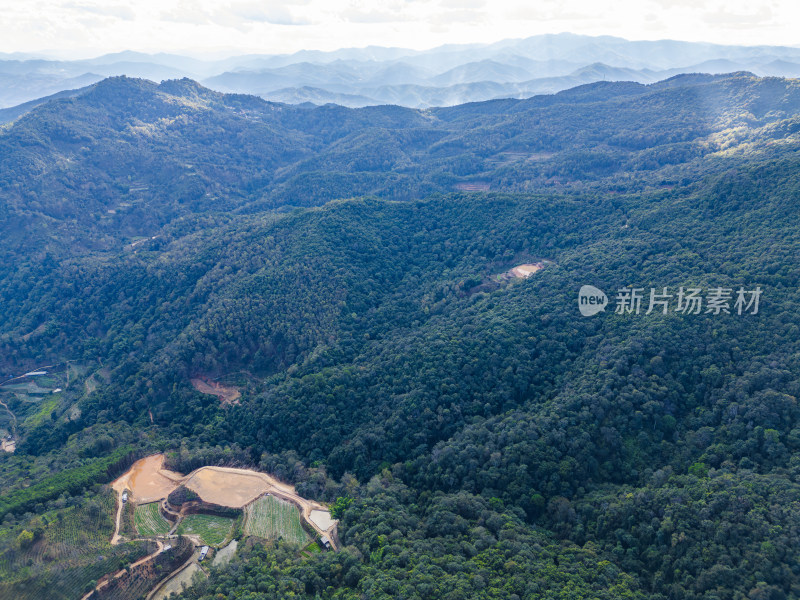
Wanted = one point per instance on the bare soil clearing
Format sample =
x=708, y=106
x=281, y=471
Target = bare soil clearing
x=477, y=186
x=527, y=270
x=227, y=489
x=226, y=393
x=39, y=329
x=322, y=519
x=147, y=480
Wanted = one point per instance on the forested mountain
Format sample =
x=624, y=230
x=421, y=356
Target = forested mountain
x=125, y=157
x=344, y=269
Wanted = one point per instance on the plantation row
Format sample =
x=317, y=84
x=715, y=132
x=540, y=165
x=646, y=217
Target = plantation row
x=149, y=521
x=70, y=482
x=211, y=529
x=271, y=518
x=61, y=581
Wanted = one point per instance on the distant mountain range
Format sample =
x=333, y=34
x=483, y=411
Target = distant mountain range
x=443, y=76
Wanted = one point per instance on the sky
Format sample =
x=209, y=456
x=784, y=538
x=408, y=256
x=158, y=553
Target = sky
x=84, y=28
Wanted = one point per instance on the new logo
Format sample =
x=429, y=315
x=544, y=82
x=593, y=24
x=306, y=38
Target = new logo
x=591, y=300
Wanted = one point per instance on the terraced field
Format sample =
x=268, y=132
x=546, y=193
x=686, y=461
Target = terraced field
x=148, y=520
x=270, y=518
x=212, y=529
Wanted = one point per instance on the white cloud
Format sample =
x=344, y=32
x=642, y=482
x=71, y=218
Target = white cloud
x=276, y=13
x=115, y=11
x=273, y=26
x=758, y=16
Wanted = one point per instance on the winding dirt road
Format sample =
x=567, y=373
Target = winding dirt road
x=122, y=572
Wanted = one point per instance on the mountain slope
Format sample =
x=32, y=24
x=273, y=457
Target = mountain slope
x=494, y=442
x=125, y=157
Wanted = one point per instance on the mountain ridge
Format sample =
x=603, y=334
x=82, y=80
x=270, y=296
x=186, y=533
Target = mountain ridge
x=537, y=63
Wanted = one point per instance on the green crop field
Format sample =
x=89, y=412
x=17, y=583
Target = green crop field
x=312, y=548
x=270, y=518
x=43, y=412
x=148, y=520
x=212, y=529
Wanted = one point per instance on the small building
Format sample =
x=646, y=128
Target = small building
x=167, y=547
x=124, y=496
x=203, y=552
x=325, y=542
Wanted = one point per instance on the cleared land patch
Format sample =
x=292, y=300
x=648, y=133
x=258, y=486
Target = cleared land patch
x=148, y=520
x=271, y=518
x=226, y=393
x=146, y=480
x=322, y=519
x=211, y=529
x=523, y=271
x=226, y=488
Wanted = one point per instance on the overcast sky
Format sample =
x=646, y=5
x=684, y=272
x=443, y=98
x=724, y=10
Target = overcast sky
x=91, y=27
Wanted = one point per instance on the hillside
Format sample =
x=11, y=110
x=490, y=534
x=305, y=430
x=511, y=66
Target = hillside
x=125, y=157
x=324, y=263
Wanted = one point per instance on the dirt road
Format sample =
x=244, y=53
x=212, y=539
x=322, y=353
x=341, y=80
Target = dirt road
x=172, y=582
x=122, y=572
x=115, y=539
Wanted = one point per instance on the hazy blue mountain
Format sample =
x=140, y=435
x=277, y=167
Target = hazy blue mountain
x=485, y=70
x=145, y=70
x=10, y=114
x=16, y=89
x=445, y=75
x=400, y=73
x=315, y=96
x=299, y=74
x=779, y=68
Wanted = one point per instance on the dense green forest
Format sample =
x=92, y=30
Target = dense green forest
x=483, y=438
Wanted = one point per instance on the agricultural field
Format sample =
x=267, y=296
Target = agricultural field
x=57, y=554
x=44, y=409
x=212, y=529
x=270, y=518
x=312, y=548
x=148, y=520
